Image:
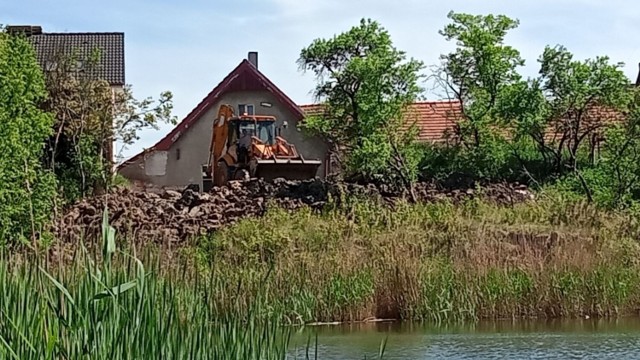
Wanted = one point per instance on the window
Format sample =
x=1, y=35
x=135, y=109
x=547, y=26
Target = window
x=247, y=126
x=246, y=109
x=265, y=131
x=178, y=154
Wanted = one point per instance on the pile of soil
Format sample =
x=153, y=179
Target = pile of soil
x=175, y=216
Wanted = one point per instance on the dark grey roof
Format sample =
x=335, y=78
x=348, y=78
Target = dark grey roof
x=110, y=45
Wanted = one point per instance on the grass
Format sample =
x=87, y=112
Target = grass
x=439, y=262
x=554, y=257
x=112, y=306
x=118, y=309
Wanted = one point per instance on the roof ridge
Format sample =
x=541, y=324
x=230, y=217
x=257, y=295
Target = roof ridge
x=169, y=139
x=443, y=101
x=82, y=33
x=413, y=103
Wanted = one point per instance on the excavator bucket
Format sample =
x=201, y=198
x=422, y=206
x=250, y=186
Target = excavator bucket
x=290, y=169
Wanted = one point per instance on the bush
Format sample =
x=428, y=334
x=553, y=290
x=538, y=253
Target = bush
x=26, y=191
x=492, y=161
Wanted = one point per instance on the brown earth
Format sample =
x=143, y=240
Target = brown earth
x=174, y=216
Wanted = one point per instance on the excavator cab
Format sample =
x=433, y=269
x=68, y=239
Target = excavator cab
x=251, y=146
x=247, y=136
x=263, y=130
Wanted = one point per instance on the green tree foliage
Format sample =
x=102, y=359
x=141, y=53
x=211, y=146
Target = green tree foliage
x=567, y=111
x=27, y=192
x=479, y=72
x=582, y=99
x=620, y=165
x=365, y=84
x=90, y=117
x=614, y=181
x=536, y=129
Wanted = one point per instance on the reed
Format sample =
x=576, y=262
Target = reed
x=116, y=308
x=110, y=305
x=553, y=257
x=229, y=295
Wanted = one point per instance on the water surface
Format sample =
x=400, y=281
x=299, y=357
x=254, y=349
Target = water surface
x=554, y=339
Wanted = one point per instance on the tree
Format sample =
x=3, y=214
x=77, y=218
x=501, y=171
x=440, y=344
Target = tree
x=365, y=85
x=27, y=192
x=614, y=180
x=90, y=116
x=582, y=98
x=480, y=72
x=553, y=122
x=567, y=110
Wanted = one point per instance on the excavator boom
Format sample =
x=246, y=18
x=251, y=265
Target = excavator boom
x=220, y=133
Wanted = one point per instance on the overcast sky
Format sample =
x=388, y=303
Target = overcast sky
x=188, y=47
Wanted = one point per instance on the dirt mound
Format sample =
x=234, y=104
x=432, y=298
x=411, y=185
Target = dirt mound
x=175, y=216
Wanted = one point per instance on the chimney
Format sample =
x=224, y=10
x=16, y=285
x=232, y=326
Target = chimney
x=253, y=58
x=27, y=30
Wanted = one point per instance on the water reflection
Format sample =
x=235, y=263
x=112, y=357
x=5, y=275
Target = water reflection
x=544, y=339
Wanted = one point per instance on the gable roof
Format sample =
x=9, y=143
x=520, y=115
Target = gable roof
x=434, y=119
x=111, y=46
x=245, y=77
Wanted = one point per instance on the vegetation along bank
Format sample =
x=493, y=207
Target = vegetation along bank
x=195, y=275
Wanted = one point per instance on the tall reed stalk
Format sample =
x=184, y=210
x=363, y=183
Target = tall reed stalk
x=437, y=262
x=118, y=309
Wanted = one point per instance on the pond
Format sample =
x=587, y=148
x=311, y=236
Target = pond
x=553, y=339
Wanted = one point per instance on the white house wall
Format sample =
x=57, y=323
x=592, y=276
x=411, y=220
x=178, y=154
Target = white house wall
x=156, y=164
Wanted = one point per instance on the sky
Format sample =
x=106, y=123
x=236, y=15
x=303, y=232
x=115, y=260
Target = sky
x=188, y=47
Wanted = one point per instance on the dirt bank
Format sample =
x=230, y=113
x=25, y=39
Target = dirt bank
x=174, y=216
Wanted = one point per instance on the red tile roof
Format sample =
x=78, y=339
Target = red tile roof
x=434, y=119
x=595, y=119
x=312, y=109
x=244, y=77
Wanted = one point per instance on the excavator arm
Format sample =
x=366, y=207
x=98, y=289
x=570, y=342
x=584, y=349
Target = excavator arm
x=218, y=147
x=219, y=135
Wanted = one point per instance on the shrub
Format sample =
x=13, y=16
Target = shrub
x=26, y=191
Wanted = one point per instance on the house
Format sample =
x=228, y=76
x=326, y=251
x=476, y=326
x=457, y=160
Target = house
x=435, y=122
x=50, y=48
x=177, y=159
x=433, y=119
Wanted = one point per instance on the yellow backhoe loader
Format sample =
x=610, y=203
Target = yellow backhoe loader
x=247, y=146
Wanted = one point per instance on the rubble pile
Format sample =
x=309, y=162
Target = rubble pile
x=174, y=216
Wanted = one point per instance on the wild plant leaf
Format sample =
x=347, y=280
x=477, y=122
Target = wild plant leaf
x=383, y=347
x=51, y=344
x=108, y=235
x=141, y=273
x=60, y=287
x=9, y=349
x=116, y=290
x=17, y=330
